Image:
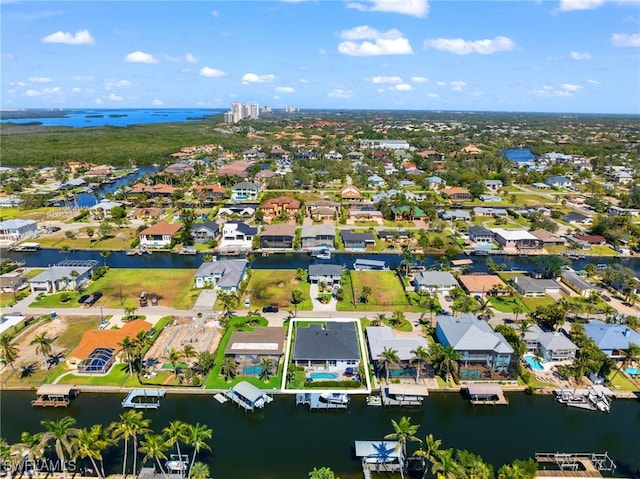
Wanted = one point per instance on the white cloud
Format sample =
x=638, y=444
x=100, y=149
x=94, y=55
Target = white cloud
x=570, y=87
x=157, y=102
x=33, y=93
x=82, y=37
x=212, y=72
x=285, y=89
x=255, y=78
x=109, y=84
x=322, y=51
x=215, y=13
x=594, y=82
x=82, y=78
x=458, y=85
x=416, y=8
x=52, y=91
x=40, y=79
x=625, y=40
x=98, y=101
x=114, y=97
x=140, y=57
x=76, y=90
x=441, y=83
x=380, y=90
x=460, y=46
x=382, y=79
x=580, y=55
x=341, y=93
x=402, y=87
x=419, y=79
x=570, y=5
x=549, y=91
x=303, y=80
x=190, y=58
x=433, y=95
x=384, y=43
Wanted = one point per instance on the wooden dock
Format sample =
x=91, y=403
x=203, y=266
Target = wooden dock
x=564, y=465
x=55, y=395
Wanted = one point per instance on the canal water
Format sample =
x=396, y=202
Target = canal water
x=519, y=155
x=285, y=441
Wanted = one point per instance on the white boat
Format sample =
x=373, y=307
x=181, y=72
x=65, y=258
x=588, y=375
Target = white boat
x=593, y=398
x=177, y=463
x=374, y=401
x=335, y=398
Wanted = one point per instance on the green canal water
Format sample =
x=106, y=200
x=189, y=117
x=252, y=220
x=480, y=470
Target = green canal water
x=285, y=441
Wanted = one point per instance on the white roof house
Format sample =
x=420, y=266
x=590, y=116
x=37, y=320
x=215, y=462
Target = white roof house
x=434, y=281
x=381, y=337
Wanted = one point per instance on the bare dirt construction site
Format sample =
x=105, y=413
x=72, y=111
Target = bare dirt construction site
x=200, y=333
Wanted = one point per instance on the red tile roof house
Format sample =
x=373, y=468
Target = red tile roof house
x=281, y=206
x=153, y=191
x=456, y=194
x=159, y=235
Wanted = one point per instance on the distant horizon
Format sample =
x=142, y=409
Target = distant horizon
x=555, y=56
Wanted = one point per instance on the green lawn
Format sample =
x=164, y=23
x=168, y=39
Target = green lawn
x=386, y=292
x=621, y=382
x=270, y=286
x=507, y=304
x=533, y=303
x=119, y=239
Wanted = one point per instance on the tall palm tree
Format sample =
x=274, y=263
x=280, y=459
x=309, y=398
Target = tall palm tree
x=228, y=367
x=188, y=352
x=421, y=354
x=403, y=431
x=485, y=308
x=430, y=449
x=61, y=432
x=130, y=425
x=174, y=356
x=8, y=351
x=43, y=344
x=228, y=300
x=296, y=298
x=199, y=471
x=90, y=443
x=174, y=433
x=446, y=467
x=387, y=358
x=379, y=319
x=128, y=348
x=266, y=368
x=197, y=434
x=153, y=446
x=29, y=446
x=449, y=362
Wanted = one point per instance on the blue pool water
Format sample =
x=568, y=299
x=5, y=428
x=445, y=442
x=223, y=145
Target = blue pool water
x=324, y=376
x=483, y=246
x=533, y=363
x=251, y=370
x=394, y=373
x=632, y=371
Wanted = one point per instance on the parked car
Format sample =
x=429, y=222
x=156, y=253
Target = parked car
x=270, y=309
x=83, y=298
x=154, y=301
x=91, y=300
x=143, y=299
x=247, y=303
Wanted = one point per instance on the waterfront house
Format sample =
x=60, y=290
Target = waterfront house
x=612, y=339
x=279, y=236
x=205, y=232
x=102, y=210
x=224, y=274
x=12, y=282
x=153, y=192
x=531, y=287
x=482, y=284
x=317, y=236
x=578, y=284
x=555, y=346
x=380, y=338
x=237, y=235
x=516, y=239
x=350, y=193
x=245, y=191
x=558, y=182
x=456, y=194
x=98, y=348
x=329, y=274
x=330, y=346
x=159, y=235
x=280, y=207
x=591, y=239
x=434, y=281
x=356, y=241
x=249, y=348
x=480, y=235
x=482, y=350
x=17, y=230
x=64, y=275
x=493, y=185
x=547, y=238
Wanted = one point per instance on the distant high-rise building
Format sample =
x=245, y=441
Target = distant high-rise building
x=240, y=111
x=228, y=117
x=255, y=111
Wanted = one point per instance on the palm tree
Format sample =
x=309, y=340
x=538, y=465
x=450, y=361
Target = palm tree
x=90, y=443
x=128, y=311
x=8, y=351
x=485, y=308
x=61, y=432
x=631, y=354
x=301, y=274
x=43, y=344
x=296, y=298
x=29, y=447
x=153, y=447
x=421, y=354
x=430, y=449
x=266, y=368
x=446, y=467
x=197, y=434
x=387, y=358
x=128, y=349
x=199, y=471
x=366, y=292
x=131, y=424
x=518, y=309
x=188, y=352
x=379, y=319
x=403, y=431
x=396, y=318
x=228, y=300
x=175, y=432
x=174, y=356
x=449, y=362
x=228, y=367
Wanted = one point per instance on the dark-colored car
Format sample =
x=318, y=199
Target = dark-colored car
x=83, y=298
x=91, y=300
x=270, y=309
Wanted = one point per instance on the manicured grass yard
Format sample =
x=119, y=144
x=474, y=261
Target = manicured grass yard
x=171, y=286
x=119, y=239
x=386, y=291
x=620, y=381
x=271, y=286
x=507, y=304
x=533, y=303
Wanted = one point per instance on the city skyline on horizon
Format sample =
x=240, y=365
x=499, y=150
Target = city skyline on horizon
x=569, y=57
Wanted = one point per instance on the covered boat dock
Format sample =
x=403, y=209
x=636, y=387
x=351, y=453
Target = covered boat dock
x=55, y=395
x=403, y=394
x=248, y=396
x=486, y=394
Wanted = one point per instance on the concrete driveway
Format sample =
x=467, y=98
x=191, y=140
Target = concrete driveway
x=314, y=292
x=206, y=300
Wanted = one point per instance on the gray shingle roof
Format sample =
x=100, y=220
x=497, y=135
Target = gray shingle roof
x=435, y=278
x=337, y=342
x=230, y=271
x=380, y=337
x=466, y=333
x=325, y=270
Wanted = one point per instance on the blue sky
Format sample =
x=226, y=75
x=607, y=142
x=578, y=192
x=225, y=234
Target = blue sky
x=578, y=56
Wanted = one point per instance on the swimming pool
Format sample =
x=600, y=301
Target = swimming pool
x=395, y=373
x=251, y=370
x=632, y=371
x=315, y=376
x=533, y=363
